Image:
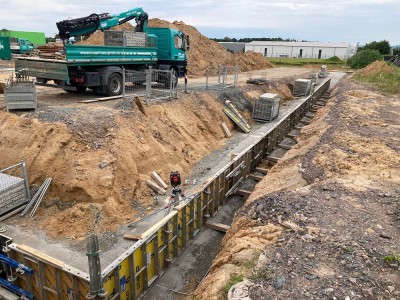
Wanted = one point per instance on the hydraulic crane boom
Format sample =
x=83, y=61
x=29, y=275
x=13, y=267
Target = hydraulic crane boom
x=88, y=25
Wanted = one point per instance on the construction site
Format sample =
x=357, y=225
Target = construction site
x=189, y=172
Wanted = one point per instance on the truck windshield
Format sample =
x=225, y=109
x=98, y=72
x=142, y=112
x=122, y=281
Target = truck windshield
x=178, y=42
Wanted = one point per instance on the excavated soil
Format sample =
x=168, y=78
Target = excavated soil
x=203, y=52
x=377, y=67
x=324, y=223
x=100, y=154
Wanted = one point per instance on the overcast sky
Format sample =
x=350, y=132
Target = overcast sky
x=313, y=20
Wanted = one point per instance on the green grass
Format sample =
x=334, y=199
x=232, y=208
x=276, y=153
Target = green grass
x=298, y=62
x=235, y=278
x=392, y=258
x=387, y=83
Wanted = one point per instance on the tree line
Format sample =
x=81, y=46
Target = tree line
x=248, y=40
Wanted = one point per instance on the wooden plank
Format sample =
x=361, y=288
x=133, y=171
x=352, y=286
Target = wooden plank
x=139, y=104
x=234, y=155
x=40, y=255
x=155, y=187
x=226, y=130
x=234, y=110
x=236, y=120
x=243, y=193
x=100, y=99
x=218, y=226
x=158, y=180
x=160, y=223
x=262, y=170
x=132, y=237
x=273, y=159
x=256, y=177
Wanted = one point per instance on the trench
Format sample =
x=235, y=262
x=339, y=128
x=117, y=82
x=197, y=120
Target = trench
x=186, y=248
x=174, y=250
x=186, y=273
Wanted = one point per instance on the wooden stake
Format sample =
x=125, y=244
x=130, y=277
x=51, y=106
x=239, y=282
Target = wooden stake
x=218, y=226
x=140, y=105
x=155, y=187
x=158, y=180
x=226, y=130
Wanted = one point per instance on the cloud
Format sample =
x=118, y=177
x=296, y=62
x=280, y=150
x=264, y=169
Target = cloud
x=333, y=20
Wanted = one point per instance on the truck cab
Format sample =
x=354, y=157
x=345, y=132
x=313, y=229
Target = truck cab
x=172, y=47
x=21, y=46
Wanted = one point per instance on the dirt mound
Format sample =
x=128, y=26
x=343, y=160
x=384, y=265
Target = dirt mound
x=100, y=170
x=376, y=67
x=203, y=51
x=337, y=192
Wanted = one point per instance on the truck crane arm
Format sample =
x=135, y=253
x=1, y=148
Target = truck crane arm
x=88, y=25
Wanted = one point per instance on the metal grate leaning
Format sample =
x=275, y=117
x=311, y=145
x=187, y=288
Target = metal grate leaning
x=14, y=188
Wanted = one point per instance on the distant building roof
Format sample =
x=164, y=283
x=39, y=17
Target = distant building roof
x=233, y=46
x=299, y=44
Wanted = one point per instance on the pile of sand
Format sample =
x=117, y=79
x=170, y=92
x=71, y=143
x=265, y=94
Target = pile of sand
x=203, y=51
x=99, y=172
x=376, y=67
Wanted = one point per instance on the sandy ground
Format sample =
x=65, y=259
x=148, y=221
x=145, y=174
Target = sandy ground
x=100, y=154
x=337, y=194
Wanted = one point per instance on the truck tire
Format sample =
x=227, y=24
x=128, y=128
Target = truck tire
x=166, y=79
x=114, y=85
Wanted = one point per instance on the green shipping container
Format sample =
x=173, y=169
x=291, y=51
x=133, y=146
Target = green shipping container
x=36, y=38
x=5, y=50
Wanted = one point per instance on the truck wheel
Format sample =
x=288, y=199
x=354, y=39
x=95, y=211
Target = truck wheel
x=166, y=79
x=114, y=85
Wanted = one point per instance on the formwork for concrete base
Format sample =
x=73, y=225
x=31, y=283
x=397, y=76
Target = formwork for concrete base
x=131, y=274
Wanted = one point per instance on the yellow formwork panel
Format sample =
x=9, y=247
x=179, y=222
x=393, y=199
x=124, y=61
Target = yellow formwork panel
x=138, y=265
x=124, y=280
x=188, y=209
x=170, y=236
x=66, y=283
x=83, y=287
x=151, y=264
x=196, y=224
x=50, y=280
x=180, y=226
x=161, y=244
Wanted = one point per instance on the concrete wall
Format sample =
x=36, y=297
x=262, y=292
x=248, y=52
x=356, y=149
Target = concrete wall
x=292, y=51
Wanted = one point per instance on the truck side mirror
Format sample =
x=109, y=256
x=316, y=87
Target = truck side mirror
x=187, y=43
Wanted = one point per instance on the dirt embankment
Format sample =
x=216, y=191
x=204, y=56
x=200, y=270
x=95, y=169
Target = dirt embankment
x=100, y=156
x=338, y=191
x=203, y=52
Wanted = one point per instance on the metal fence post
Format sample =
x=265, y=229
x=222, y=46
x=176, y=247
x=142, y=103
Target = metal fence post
x=225, y=78
x=207, y=78
x=170, y=83
x=219, y=74
x=97, y=291
x=123, y=82
x=236, y=75
x=28, y=193
x=148, y=84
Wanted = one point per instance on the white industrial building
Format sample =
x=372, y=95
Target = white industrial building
x=301, y=49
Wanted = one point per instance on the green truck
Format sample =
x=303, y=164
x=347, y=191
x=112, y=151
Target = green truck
x=21, y=45
x=101, y=68
x=9, y=45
